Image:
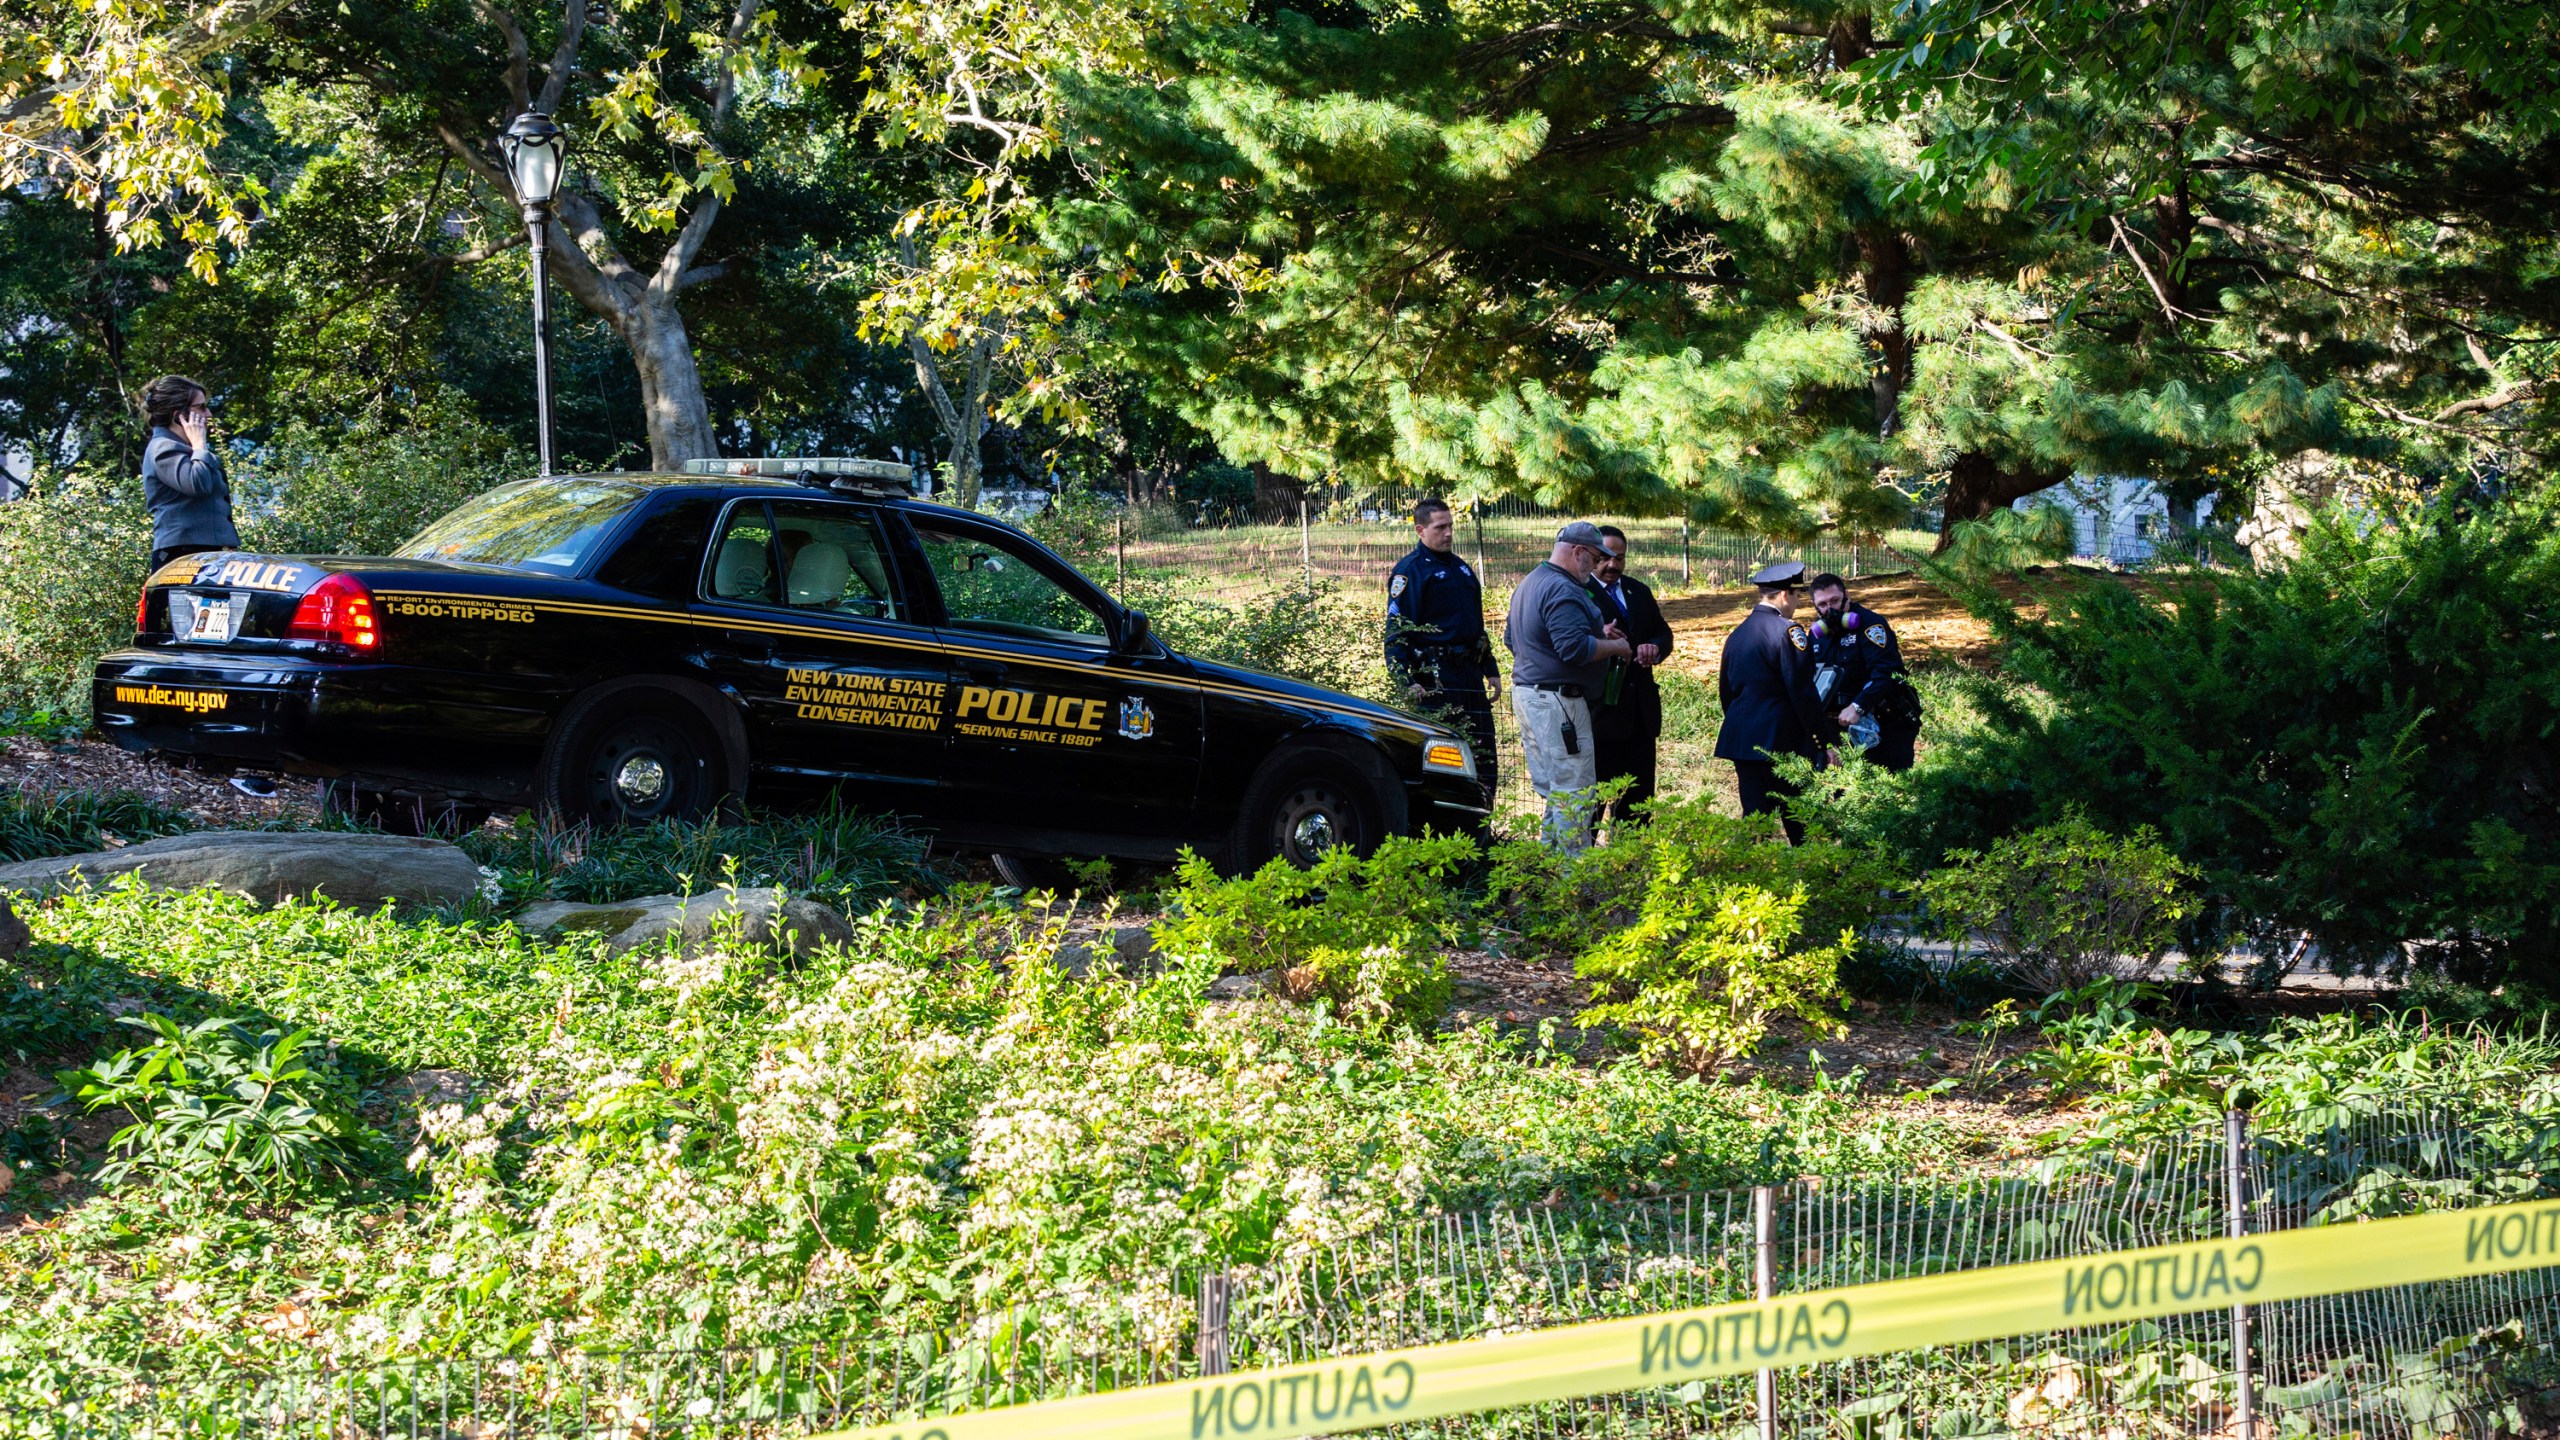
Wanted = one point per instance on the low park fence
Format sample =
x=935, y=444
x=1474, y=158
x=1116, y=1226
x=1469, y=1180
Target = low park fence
x=1347, y=544
x=2366, y=1268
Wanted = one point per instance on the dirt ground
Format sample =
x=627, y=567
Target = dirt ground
x=1934, y=628
x=42, y=767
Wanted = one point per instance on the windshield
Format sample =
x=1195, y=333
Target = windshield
x=531, y=525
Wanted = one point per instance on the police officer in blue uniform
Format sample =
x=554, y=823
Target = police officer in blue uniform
x=1770, y=708
x=1435, y=632
x=1858, y=673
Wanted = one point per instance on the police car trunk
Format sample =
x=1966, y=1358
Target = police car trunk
x=232, y=654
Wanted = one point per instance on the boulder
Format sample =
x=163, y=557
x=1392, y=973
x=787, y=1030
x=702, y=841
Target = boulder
x=271, y=865
x=769, y=919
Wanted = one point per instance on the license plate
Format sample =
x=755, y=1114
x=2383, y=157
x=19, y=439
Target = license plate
x=212, y=620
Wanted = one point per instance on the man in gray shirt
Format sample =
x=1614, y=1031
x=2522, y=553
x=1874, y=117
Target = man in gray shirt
x=182, y=482
x=1560, y=652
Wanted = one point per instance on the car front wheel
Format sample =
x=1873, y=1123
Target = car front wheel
x=1303, y=805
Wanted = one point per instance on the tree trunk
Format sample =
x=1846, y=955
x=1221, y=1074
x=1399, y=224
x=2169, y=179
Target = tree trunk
x=1884, y=264
x=670, y=385
x=964, y=417
x=1276, y=497
x=1977, y=485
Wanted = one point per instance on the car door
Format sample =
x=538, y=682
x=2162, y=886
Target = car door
x=808, y=623
x=1052, y=727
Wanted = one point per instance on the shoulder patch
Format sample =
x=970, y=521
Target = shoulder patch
x=1463, y=570
x=1877, y=634
x=1395, y=587
x=1796, y=634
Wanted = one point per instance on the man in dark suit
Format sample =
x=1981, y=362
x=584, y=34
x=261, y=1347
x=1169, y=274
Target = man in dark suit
x=1770, y=708
x=1625, y=732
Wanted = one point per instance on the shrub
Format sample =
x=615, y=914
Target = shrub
x=2061, y=905
x=220, y=1110
x=1363, y=931
x=1706, y=965
x=72, y=559
x=2355, y=743
x=1559, y=902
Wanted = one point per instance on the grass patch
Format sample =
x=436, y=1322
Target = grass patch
x=36, y=824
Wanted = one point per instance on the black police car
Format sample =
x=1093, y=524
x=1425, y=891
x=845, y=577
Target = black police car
x=621, y=648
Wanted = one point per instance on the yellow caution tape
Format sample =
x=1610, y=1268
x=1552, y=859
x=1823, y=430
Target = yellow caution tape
x=1603, y=1356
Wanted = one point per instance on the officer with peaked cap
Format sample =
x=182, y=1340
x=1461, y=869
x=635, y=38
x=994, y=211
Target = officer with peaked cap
x=1770, y=708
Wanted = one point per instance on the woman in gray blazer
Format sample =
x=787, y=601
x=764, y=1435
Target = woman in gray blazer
x=181, y=480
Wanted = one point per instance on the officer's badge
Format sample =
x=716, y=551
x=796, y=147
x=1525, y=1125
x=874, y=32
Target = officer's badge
x=1395, y=588
x=1137, y=722
x=1877, y=635
x=1796, y=633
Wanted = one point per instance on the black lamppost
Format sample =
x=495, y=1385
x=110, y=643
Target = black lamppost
x=535, y=149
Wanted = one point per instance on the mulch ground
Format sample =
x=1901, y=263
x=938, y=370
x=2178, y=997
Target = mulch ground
x=42, y=767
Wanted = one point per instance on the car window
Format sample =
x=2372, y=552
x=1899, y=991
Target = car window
x=805, y=556
x=662, y=556
x=991, y=586
x=547, y=525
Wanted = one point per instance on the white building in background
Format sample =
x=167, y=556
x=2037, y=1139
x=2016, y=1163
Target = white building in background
x=2118, y=518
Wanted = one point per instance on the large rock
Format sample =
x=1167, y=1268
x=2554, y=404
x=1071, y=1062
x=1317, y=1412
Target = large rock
x=767, y=919
x=271, y=865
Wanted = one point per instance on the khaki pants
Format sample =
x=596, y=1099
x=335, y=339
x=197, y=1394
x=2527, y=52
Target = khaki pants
x=1562, y=778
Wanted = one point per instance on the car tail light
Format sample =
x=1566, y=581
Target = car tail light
x=142, y=611
x=338, y=609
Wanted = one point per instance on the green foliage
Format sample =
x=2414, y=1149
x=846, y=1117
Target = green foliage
x=1707, y=965
x=1363, y=931
x=2061, y=905
x=1315, y=633
x=2299, y=1077
x=35, y=824
x=72, y=559
x=2348, y=744
x=2008, y=540
x=221, y=1111
x=363, y=488
x=1560, y=903
x=933, y=1123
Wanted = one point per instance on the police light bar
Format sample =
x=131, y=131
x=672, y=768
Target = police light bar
x=797, y=467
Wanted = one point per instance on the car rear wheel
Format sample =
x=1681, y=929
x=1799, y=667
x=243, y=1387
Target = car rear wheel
x=632, y=763
x=1303, y=805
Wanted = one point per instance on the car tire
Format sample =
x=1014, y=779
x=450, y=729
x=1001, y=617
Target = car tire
x=1304, y=803
x=634, y=759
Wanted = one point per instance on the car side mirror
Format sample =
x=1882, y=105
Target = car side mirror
x=1137, y=632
